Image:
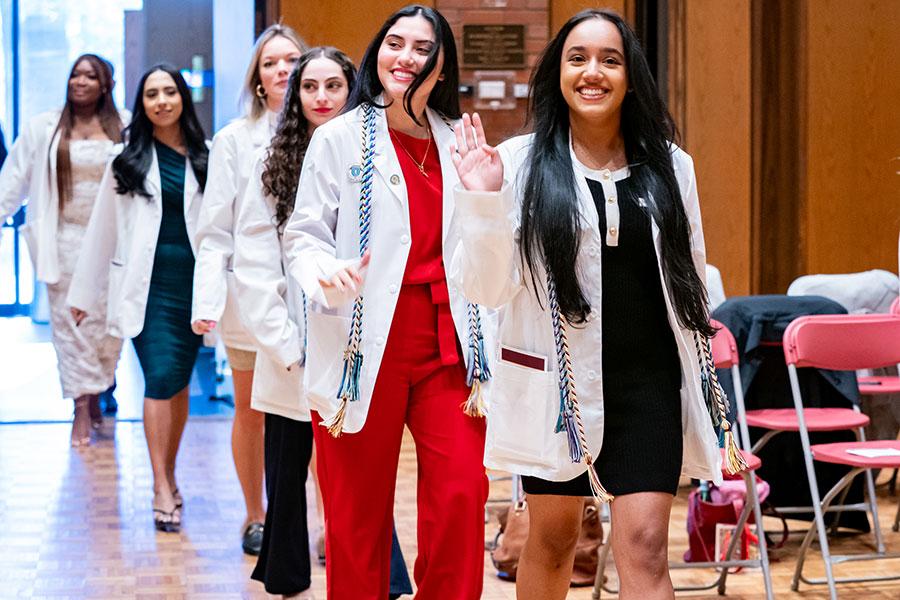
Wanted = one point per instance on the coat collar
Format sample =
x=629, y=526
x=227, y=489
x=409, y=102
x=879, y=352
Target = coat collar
x=387, y=163
x=261, y=128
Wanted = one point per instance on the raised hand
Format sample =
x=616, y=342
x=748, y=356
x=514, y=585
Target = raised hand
x=478, y=164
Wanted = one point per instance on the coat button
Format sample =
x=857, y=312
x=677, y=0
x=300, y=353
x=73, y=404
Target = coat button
x=404, y=239
x=393, y=288
x=611, y=200
x=592, y=375
x=395, y=179
x=605, y=174
x=379, y=340
x=613, y=231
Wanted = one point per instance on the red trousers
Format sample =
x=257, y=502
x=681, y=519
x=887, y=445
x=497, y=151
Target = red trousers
x=358, y=471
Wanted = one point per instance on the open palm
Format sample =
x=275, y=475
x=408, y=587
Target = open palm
x=478, y=165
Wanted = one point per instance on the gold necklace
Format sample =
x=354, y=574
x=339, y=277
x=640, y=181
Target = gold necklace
x=420, y=165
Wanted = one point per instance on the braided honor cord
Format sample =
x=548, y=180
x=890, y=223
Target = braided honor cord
x=717, y=405
x=353, y=358
x=569, y=412
x=478, y=371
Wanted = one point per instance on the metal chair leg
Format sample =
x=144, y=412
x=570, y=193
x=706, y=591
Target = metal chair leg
x=761, y=534
x=873, y=499
x=818, y=525
x=813, y=485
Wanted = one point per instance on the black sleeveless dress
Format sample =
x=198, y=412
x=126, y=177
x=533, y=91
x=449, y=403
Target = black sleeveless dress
x=642, y=444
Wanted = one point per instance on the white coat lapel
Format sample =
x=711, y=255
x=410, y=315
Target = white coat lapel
x=191, y=186
x=260, y=129
x=386, y=162
x=152, y=181
x=443, y=139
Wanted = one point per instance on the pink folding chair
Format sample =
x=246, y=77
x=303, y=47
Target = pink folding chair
x=841, y=342
x=725, y=356
x=880, y=385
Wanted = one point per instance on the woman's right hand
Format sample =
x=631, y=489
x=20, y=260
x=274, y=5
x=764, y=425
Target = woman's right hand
x=201, y=326
x=478, y=165
x=350, y=277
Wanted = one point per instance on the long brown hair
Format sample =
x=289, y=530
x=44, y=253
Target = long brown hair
x=105, y=110
x=288, y=146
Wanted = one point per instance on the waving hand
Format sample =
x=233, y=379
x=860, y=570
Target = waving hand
x=478, y=164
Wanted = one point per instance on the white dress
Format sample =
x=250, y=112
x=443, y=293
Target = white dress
x=86, y=354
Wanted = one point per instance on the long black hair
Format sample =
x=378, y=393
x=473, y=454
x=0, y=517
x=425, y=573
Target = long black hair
x=131, y=166
x=444, y=98
x=288, y=146
x=550, y=217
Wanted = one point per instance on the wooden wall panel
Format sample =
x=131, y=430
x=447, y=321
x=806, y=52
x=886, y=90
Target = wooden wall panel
x=349, y=26
x=716, y=129
x=562, y=10
x=852, y=135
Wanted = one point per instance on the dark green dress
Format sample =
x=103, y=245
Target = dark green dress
x=166, y=347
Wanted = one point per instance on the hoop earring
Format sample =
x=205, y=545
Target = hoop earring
x=260, y=91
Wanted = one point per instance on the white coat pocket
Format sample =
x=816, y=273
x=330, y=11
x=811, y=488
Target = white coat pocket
x=327, y=340
x=522, y=416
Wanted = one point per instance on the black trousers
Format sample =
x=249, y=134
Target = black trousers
x=283, y=565
x=284, y=560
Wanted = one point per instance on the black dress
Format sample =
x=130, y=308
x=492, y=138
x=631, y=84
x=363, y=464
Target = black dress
x=166, y=346
x=642, y=444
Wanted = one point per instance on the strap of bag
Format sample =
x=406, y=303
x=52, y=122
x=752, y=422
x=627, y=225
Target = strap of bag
x=478, y=370
x=717, y=405
x=569, y=412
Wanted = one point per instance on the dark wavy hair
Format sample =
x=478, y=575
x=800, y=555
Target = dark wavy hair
x=550, y=218
x=106, y=112
x=444, y=98
x=288, y=146
x=131, y=166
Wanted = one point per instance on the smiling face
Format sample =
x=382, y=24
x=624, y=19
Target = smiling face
x=84, y=84
x=323, y=90
x=403, y=54
x=593, y=76
x=277, y=59
x=162, y=101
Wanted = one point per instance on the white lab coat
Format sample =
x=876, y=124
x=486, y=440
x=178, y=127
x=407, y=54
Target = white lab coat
x=525, y=402
x=30, y=172
x=322, y=235
x=120, y=246
x=270, y=304
x=230, y=162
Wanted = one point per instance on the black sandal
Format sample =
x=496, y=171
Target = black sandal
x=165, y=521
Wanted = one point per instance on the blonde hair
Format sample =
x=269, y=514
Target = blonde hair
x=256, y=106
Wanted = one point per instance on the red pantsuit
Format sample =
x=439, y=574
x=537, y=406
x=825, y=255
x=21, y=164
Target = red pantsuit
x=421, y=384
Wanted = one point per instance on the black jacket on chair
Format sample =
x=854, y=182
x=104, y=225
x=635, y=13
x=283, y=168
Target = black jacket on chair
x=754, y=321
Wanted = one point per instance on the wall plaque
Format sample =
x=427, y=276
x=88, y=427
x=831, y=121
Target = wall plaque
x=494, y=46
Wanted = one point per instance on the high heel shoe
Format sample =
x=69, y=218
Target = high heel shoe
x=167, y=522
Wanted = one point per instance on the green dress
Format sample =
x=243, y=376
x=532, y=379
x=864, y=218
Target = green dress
x=166, y=347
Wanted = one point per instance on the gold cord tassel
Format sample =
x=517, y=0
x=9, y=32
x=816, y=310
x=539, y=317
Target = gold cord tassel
x=597, y=488
x=337, y=423
x=474, y=405
x=734, y=460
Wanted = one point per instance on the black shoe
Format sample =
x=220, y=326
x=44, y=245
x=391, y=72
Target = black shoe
x=252, y=540
x=110, y=406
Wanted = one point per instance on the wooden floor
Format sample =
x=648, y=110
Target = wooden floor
x=77, y=524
